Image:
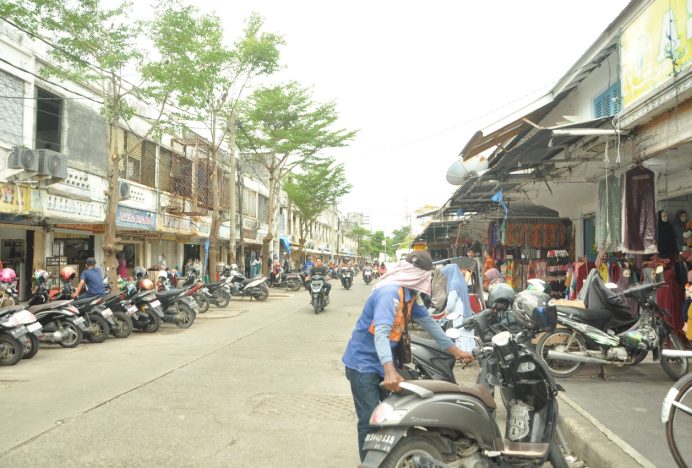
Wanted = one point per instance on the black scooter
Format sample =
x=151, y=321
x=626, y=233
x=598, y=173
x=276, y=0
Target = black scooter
x=346, y=275
x=98, y=318
x=456, y=423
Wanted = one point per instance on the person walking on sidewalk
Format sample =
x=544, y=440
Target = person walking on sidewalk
x=374, y=350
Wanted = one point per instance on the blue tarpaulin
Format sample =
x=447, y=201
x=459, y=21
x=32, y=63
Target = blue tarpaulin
x=286, y=243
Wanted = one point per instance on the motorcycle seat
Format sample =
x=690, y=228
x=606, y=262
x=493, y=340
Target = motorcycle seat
x=167, y=294
x=586, y=315
x=12, y=309
x=477, y=391
x=80, y=301
x=212, y=285
x=47, y=306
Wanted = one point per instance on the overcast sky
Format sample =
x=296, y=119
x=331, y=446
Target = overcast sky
x=419, y=78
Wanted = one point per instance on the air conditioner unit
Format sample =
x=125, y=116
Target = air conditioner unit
x=51, y=163
x=124, y=190
x=23, y=158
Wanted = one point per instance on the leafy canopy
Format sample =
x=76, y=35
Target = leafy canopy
x=313, y=191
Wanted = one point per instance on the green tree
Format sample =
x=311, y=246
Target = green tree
x=362, y=236
x=313, y=191
x=282, y=129
x=221, y=76
x=94, y=43
x=400, y=239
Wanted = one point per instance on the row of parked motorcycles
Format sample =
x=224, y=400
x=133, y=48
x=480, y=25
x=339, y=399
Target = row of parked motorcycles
x=435, y=423
x=51, y=316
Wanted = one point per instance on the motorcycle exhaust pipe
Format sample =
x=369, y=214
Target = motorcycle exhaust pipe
x=575, y=357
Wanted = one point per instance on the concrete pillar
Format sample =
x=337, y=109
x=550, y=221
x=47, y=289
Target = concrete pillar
x=39, y=250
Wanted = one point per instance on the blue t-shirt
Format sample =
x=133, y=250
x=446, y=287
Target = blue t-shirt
x=381, y=308
x=94, y=282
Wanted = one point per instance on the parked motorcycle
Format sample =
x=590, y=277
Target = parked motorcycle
x=319, y=298
x=149, y=313
x=243, y=287
x=606, y=333
x=367, y=275
x=346, y=276
x=217, y=293
x=288, y=280
x=18, y=315
x=456, y=425
x=178, y=306
x=97, y=317
x=14, y=336
x=123, y=310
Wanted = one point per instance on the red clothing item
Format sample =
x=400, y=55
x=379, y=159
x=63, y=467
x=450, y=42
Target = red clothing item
x=670, y=298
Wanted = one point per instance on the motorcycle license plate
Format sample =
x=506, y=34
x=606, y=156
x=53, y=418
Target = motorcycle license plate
x=381, y=442
x=132, y=310
x=32, y=327
x=107, y=313
x=155, y=303
x=16, y=332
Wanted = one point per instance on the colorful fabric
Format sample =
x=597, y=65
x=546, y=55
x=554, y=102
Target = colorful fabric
x=407, y=275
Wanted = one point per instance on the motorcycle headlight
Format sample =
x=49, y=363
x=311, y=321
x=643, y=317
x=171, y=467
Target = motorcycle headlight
x=9, y=321
x=385, y=413
x=24, y=317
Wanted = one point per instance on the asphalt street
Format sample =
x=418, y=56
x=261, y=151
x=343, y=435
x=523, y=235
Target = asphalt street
x=256, y=384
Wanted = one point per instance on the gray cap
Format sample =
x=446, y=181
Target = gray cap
x=421, y=259
x=91, y=261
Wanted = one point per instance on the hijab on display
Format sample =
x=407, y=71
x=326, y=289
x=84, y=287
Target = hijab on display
x=666, y=235
x=679, y=228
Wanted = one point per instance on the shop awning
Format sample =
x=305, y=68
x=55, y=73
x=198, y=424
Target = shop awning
x=286, y=243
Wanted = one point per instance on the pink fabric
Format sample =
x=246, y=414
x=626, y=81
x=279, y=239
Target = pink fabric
x=492, y=274
x=409, y=276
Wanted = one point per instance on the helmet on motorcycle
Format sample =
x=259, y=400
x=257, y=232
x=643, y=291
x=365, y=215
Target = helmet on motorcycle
x=163, y=274
x=130, y=289
x=535, y=310
x=234, y=267
x=41, y=276
x=67, y=274
x=501, y=296
x=536, y=284
x=140, y=273
x=146, y=284
x=7, y=275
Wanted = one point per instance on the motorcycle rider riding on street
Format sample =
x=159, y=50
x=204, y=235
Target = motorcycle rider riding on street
x=318, y=269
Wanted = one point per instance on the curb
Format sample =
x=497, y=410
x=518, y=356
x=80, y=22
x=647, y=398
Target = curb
x=594, y=443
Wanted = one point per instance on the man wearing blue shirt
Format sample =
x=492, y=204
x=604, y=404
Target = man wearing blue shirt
x=92, y=278
x=370, y=354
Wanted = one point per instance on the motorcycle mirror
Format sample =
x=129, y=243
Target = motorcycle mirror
x=453, y=316
x=611, y=285
x=453, y=333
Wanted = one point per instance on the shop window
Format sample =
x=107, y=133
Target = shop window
x=148, y=166
x=608, y=102
x=249, y=202
x=263, y=208
x=132, y=159
x=49, y=111
x=165, y=158
x=181, y=173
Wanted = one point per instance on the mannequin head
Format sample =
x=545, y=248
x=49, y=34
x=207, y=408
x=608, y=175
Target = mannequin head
x=663, y=216
x=682, y=217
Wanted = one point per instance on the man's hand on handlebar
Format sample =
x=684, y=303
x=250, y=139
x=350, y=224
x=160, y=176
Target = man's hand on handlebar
x=460, y=355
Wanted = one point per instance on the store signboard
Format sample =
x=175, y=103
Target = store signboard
x=174, y=224
x=69, y=209
x=661, y=34
x=95, y=228
x=225, y=232
x=132, y=218
x=14, y=199
x=201, y=227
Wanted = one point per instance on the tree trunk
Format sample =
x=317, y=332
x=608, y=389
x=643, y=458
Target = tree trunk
x=270, y=225
x=214, y=231
x=110, y=240
x=232, y=202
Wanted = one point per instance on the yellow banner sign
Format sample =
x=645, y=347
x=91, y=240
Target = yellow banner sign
x=14, y=199
x=656, y=41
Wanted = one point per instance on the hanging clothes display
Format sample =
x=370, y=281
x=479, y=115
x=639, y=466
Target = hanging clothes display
x=666, y=236
x=639, y=212
x=608, y=215
x=671, y=298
